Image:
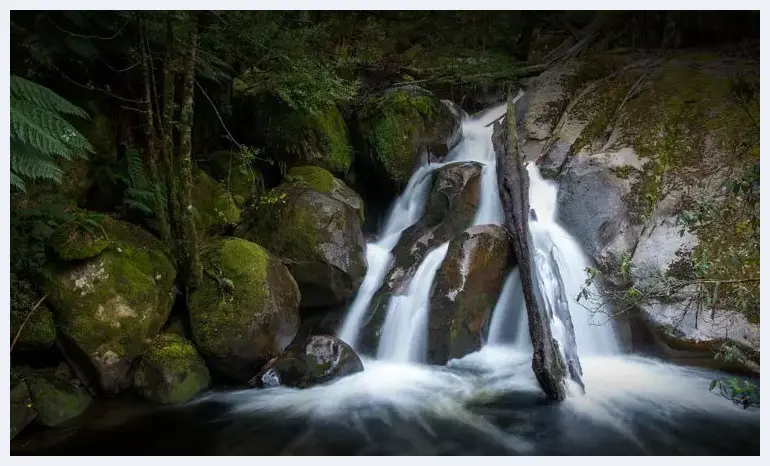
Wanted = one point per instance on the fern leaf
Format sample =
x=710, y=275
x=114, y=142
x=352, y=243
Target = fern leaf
x=17, y=182
x=137, y=206
x=136, y=171
x=46, y=131
x=32, y=164
x=43, y=97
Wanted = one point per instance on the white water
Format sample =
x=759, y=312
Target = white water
x=406, y=321
x=622, y=393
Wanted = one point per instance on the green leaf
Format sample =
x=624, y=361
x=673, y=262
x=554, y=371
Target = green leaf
x=713, y=385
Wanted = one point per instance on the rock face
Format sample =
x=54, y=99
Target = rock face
x=214, y=205
x=314, y=361
x=22, y=412
x=56, y=398
x=39, y=332
x=110, y=307
x=450, y=209
x=467, y=287
x=399, y=125
x=312, y=222
x=245, y=311
x=237, y=174
x=171, y=371
x=638, y=144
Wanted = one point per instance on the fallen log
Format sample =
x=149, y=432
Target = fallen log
x=513, y=183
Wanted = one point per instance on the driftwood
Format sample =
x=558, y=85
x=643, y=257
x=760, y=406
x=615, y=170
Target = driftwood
x=513, y=184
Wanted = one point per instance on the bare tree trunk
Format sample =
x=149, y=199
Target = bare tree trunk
x=513, y=184
x=151, y=135
x=167, y=128
x=188, y=237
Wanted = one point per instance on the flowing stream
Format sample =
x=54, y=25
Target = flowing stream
x=485, y=403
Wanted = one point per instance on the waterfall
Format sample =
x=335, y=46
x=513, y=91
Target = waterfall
x=406, y=322
x=475, y=146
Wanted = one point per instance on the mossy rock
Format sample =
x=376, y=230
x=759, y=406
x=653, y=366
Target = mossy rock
x=215, y=208
x=399, y=125
x=55, y=399
x=468, y=284
x=171, y=371
x=22, y=410
x=237, y=173
x=39, y=332
x=109, y=307
x=323, y=140
x=318, y=359
x=245, y=311
x=75, y=242
x=312, y=222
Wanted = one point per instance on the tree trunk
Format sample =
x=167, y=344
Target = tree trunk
x=167, y=128
x=513, y=184
x=152, y=149
x=188, y=235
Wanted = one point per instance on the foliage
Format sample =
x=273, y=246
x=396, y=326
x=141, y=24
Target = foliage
x=744, y=393
x=40, y=133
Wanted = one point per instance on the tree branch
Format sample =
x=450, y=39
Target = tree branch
x=26, y=319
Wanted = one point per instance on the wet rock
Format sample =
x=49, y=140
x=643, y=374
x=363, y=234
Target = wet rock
x=109, y=307
x=401, y=124
x=22, y=411
x=171, y=371
x=318, y=359
x=56, y=397
x=450, y=209
x=312, y=222
x=245, y=311
x=468, y=284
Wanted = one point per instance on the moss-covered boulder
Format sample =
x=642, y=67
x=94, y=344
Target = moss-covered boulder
x=322, y=140
x=215, y=209
x=245, y=311
x=318, y=359
x=39, y=330
x=110, y=307
x=450, y=209
x=22, y=410
x=237, y=172
x=468, y=284
x=312, y=222
x=74, y=241
x=171, y=371
x=400, y=125
x=56, y=396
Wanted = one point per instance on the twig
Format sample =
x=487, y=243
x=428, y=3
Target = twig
x=92, y=88
x=217, y=113
x=86, y=36
x=26, y=319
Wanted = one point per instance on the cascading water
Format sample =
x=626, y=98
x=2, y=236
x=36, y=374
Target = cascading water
x=488, y=402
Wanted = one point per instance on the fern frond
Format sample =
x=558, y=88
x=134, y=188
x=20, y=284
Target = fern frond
x=210, y=66
x=17, y=182
x=136, y=171
x=138, y=207
x=32, y=164
x=46, y=131
x=43, y=98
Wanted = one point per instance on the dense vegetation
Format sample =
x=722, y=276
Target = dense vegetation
x=174, y=121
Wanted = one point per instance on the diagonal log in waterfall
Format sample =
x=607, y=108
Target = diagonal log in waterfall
x=548, y=361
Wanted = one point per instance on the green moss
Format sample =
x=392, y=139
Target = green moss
x=316, y=178
x=217, y=314
x=236, y=171
x=390, y=125
x=329, y=127
x=74, y=241
x=171, y=371
x=54, y=400
x=623, y=171
x=214, y=205
x=39, y=331
x=119, y=298
x=295, y=219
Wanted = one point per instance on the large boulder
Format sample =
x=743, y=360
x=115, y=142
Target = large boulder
x=171, y=371
x=312, y=222
x=450, y=209
x=245, y=310
x=402, y=124
x=467, y=286
x=637, y=151
x=22, y=411
x=237, y=173
x=109, y=307
x=56, y=396
x=314, y=361
x=215, y=209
